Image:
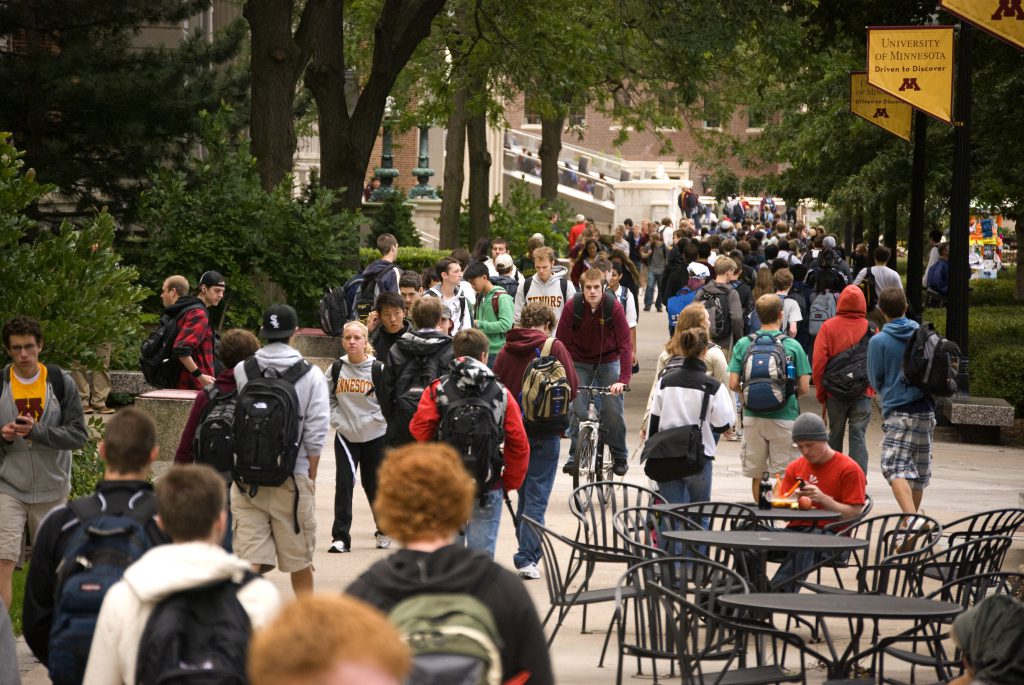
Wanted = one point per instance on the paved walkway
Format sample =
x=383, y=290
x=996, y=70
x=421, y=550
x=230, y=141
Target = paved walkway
x=966, y=479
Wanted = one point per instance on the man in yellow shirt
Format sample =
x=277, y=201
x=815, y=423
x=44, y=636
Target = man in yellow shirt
x=41, y=422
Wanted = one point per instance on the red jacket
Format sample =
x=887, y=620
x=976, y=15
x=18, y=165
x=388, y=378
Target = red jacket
x=225, y=382
x=517, y=446
x=575, y=232
x=839, y=333
x=595, y=342
x=520, y=349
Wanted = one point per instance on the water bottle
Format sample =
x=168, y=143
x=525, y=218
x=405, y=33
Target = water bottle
x=790, y=368
x=764, y=500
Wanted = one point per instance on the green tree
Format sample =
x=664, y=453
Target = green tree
x=394, y=217
x=214, y=214
x=93, y=111
x=68, y=278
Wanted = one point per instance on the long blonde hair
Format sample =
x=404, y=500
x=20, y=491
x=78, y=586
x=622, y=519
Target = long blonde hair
x=694, y=315
x=366, y=335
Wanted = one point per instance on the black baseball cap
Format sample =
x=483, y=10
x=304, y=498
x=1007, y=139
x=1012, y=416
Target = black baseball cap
x=279, y=322
x=212, y=278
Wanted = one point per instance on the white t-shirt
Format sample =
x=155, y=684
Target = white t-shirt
x=884, y=277
x=790, y=313
x=629, y=306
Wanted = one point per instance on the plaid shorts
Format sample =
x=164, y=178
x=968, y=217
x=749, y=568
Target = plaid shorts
x=907, y=447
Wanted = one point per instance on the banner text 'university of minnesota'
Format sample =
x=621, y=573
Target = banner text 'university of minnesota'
x=914, y=64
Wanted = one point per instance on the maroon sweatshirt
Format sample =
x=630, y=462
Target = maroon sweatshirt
x=521, y=345
x=594, y=341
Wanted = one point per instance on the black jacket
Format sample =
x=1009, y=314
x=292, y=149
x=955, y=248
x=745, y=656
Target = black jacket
x=382, y=341
x=456, y=569
x=410, y=347
x=674, y=278
x=49, y=546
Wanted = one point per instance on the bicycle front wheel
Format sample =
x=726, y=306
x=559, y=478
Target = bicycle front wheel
x=586, y=446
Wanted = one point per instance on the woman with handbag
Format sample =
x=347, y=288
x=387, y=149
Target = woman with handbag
x=689, y=407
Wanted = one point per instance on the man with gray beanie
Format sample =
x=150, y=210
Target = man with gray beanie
x=830, y=479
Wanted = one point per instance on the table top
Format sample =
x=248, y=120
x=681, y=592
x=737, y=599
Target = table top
x=777, y=513
x=844, y=606
x=766, y=539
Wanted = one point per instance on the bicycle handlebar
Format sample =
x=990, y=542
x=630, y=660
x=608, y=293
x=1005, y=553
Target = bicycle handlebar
x=598, y=389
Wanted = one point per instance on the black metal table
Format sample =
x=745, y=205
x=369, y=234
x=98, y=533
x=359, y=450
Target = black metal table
x=857, y=607
x=775, y=513
x=764, y=541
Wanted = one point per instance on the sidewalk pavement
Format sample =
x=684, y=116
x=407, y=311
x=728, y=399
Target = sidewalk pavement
x=965, y=479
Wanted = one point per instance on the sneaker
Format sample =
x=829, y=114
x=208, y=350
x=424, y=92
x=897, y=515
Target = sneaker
x=102, y=410
x=570, y=467
x=528, y=572
x=383, y=541
x=338, y=547
x=620, y=467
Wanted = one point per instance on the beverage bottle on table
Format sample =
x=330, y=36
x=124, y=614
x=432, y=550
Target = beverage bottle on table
x=764, y=501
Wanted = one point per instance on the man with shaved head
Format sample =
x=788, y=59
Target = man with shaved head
x=193, y=345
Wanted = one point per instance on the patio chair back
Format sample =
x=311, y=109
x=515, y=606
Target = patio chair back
x=895, y=543
x=987, y=523
x=595, y=504
x=640, y=530
x=719, y=515
x=977, y=556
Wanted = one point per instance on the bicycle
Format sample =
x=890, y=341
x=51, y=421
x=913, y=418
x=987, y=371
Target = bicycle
x=591, y=466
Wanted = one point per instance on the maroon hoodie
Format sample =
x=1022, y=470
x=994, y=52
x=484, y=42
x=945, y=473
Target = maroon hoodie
x=521, y=345
x=839, y=333
x=225, y=382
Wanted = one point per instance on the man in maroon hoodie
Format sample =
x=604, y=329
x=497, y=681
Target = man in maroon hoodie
x=523, y=345
x=594, y=330
x=845, y=396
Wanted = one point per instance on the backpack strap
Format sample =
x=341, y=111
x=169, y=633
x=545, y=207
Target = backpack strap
x=565, y=288
x=55, y=377
x=296, y=371
x=705, y=388
x=545, y=350
x=335, y=373
x=526, y=288
x=376, y=373
x=252, y=368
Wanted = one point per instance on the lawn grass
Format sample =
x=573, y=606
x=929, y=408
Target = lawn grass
x=17, y=600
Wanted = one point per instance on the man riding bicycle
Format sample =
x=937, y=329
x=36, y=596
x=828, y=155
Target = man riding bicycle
x=594, y=330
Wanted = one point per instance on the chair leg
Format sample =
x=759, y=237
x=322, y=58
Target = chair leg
x=607, y=637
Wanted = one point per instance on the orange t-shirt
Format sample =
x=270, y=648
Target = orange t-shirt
x=29, y=398
x=840, y=478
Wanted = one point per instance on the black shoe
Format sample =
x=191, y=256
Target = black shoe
x=620, y=467
x=647, y=308
x=570, y=467
x=659, y=310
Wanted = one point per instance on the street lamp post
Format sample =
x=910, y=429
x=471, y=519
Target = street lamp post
x=959, y=207
x=423, y=172
x=386, y=172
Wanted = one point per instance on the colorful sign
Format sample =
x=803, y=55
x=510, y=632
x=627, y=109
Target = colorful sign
x=914, y=64
x=1004, y=19
x=878, y=108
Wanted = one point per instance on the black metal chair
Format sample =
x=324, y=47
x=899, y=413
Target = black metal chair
x=995, y=522
x=719, y=516
x=844, y=527
x=926, y=647
x=978, y=555
x=567, y=586
x=702, y=582
x=641, y=530
x=702, y=638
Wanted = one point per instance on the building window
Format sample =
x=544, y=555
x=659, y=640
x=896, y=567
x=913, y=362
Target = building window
x=577, y=118
x=531, y=118
x=756, y=119
x=713, y=124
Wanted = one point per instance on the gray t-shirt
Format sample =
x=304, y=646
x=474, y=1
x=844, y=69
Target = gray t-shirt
x=884, y=277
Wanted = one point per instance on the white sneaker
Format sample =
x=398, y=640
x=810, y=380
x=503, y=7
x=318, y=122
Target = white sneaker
x=383, y=541
x=529, y=572
x=338, y=547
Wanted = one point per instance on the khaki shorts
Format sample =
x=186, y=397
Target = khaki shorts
x=767, y=446
x=263, y=526
x=14, y=514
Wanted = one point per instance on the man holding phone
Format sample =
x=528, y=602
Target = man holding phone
x=41, y=422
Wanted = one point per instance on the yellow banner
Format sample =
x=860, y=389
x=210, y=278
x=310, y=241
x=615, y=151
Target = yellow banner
x=879, y=108
x=1004, y=19
x=915, y=65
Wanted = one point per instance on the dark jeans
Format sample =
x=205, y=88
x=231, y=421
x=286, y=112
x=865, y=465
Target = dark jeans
x=797, y=564
x=534, y=495
x=349, y=456
x=858, y=413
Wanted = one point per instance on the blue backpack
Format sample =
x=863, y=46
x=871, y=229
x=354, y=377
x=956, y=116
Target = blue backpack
x=95, y=558
x=766, y=385
x=676, y=304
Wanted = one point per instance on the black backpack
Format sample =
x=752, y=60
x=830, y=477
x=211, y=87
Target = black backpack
x=717, y=305
x=267, y=421
x=846, y=374
x=333, y=311
x=200, y=635
x=214, y=441
x=931, y=362
x=507, y=283
x=159, y=366
x=869, y=286
x=416, y=375
x=474, y=425
x=361, y=293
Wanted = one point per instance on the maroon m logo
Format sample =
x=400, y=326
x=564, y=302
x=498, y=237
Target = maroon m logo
x=880, y=113
x=1009, y=9
x=910, y=84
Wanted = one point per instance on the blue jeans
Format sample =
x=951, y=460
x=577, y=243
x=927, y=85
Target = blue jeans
x=652, y=280
x=482, y=529
x=798, y=564
x=858, y=413
x=534, y=494
x=696, y=488
x=609, y=408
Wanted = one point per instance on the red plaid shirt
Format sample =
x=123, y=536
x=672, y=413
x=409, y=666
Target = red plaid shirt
x=195, y=339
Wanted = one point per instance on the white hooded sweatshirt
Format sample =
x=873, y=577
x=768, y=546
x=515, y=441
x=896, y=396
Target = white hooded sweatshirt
x=549, y=293
x=355, y=410
x=159, y=573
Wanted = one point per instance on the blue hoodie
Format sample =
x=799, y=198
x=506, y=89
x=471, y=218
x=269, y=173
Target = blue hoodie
x=885, y=365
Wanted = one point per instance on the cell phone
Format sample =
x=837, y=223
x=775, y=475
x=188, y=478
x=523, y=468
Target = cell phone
x=21, y=421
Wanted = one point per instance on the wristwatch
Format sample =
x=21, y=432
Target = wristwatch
x=197, y=373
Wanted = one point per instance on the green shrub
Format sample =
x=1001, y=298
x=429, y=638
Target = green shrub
x=213, y=214
x=67, y=277
x=998, y=371
x=86, y=463
x=409, y=258
x=522, y=215
x=395, y=217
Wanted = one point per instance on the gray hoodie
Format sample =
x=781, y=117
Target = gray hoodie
x=355, y=409
x=312, y=392
x=39, y=469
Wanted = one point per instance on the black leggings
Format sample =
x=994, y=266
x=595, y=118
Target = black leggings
x=349, y=457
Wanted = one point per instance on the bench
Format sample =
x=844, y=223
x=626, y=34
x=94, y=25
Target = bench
x=977, y=419
x=170, y=410
x=312, y=343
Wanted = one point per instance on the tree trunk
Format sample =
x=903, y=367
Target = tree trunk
x=891, y=219
x=550, y=148
x=454, y=174
x=479, y=178
x=276, y=63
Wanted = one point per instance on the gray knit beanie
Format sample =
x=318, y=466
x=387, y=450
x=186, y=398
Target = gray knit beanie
x=808, y=428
